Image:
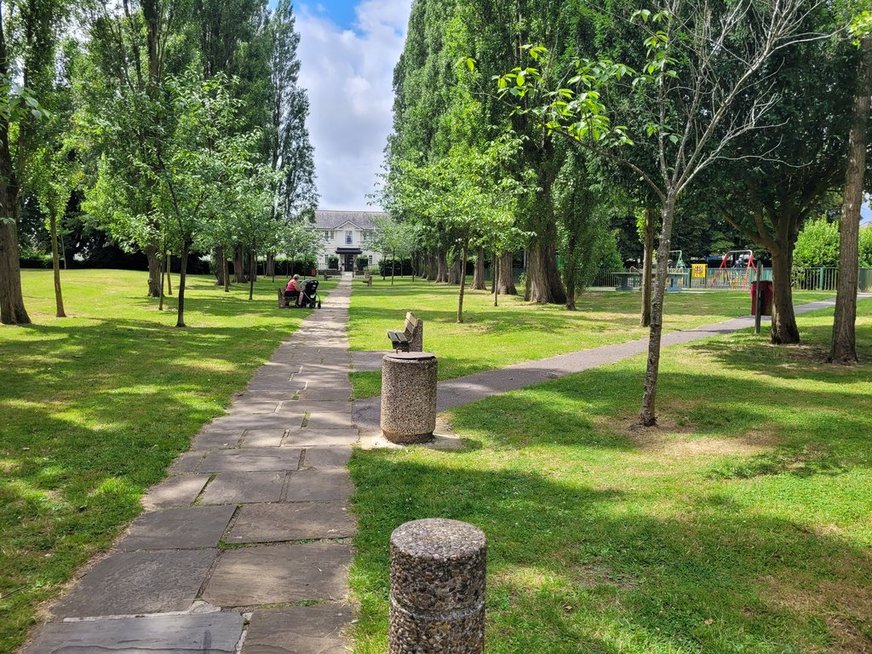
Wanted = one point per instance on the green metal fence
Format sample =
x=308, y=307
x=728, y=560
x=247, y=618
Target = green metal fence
x=808, y=279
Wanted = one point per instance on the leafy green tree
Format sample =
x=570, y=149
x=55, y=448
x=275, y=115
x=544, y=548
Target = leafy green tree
x=817, y=244
x=29, y=33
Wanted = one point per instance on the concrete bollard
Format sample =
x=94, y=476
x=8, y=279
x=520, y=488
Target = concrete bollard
x=437, y=588
x=408, y=399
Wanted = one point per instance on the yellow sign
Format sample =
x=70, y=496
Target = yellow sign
x=699, y=270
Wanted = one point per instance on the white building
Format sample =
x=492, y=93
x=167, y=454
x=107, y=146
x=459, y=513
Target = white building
x=347, y=235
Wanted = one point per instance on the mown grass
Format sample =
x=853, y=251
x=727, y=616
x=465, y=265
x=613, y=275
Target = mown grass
x=97, y=405
x=742, y=524
x=516, y=331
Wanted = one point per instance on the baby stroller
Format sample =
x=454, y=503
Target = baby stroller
x=310, y=297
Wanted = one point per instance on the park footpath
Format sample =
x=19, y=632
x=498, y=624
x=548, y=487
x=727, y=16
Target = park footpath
x=245, y=547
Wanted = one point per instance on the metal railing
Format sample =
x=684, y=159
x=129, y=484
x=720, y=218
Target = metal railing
x=807, y=279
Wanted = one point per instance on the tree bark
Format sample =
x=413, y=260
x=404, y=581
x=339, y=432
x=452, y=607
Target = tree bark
x=464, y=254
x=169, y=267
x=648, y=415
x=784, y=329
x=478, y=281
x=455, y=271
x=56, y=267
x=270, y=266
x=239, y=264
x=647, y=267
x=180, y=322
x=496, y=278
x=544, y=285
x=218, y=255
x=570, y=273
x=441, y=267
x=393, y=266
x=226, y=265
x=506, y=284
x=154, y=270
x=12, y=311
x=844, y=348
x=252, y=275
x=163, y=272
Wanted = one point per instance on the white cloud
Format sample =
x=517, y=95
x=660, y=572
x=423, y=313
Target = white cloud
x=349, y=75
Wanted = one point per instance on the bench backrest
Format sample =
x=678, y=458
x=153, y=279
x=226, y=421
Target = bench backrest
x=414, y=329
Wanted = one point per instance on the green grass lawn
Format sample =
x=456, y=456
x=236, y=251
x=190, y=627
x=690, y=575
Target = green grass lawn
x=517, y=331
x=97, y=405
x=742, y=524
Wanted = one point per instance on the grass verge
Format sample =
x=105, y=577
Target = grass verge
x=494, y=337
x=97, y=405
x=742, y=524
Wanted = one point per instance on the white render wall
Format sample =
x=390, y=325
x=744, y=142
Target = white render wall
x=336, y=238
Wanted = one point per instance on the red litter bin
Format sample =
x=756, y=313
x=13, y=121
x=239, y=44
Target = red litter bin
x=766, y=291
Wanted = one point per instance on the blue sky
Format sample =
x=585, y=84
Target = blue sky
x=348, y=51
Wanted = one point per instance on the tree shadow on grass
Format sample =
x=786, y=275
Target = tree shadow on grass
x=575, y=568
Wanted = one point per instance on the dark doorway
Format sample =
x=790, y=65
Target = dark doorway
x=349, y=262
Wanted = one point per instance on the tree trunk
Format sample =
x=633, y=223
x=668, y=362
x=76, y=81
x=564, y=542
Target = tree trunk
x=441, y=267
x=226, y=266
x=647, y=267
x=496, y=280
x=844, y=349
x=252, y=274
x=169, y=267
x=648, y=415
x=464, y=253
x=180, y=322
x=506, y=284
x=570, y=273
x=163, y=272
x=239, y=264
x=393, y=266
x=270, y=266
x=544, y=285
x=456, y=270
x=56, y=267
x=478, y=281
x=218, y=255
x=154, y=271
x=784, y=328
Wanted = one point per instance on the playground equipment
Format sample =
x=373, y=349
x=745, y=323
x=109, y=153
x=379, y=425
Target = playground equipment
x=735, y=270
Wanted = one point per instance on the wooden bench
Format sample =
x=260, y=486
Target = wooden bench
x=411, y=339
x=329, y=273
x=287, y=298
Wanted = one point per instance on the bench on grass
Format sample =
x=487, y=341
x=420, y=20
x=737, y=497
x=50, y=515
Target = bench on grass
x=329, y=273
x=411, y=339
x=287, y=298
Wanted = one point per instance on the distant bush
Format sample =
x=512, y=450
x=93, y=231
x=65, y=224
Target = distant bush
x=818, y=245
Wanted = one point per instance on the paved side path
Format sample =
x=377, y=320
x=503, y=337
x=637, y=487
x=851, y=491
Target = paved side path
x=472, y=388
x=245, y=546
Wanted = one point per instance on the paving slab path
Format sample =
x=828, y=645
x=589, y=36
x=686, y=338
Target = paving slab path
x=245, y=547
x=472, y=388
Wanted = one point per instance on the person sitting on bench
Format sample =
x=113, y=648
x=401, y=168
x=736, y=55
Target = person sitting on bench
x=293, y=289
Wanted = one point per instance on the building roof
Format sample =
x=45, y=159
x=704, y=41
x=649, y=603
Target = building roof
x=336, y=219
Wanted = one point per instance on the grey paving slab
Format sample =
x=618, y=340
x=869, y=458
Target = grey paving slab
x=319, y=406
x=268, y=523
x=263, y=437
x=177, y=490
x=128, y=583
x=243, y=422
x=299, y=630
x=211, y=633
x=216, y=440
x=187, y=528
x=244, y=487
x=186, y=462
x=251, y=460
x=320, y=437
x=321, y=458
x=275, y=574
x=319, y=485
x=368, y=360
x=329, y=420
x=325, y=395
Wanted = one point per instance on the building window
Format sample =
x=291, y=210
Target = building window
x=349, y=237
x=370, y=260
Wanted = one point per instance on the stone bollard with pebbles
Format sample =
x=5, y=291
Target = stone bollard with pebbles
x=437, y=588
x=408, y=399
